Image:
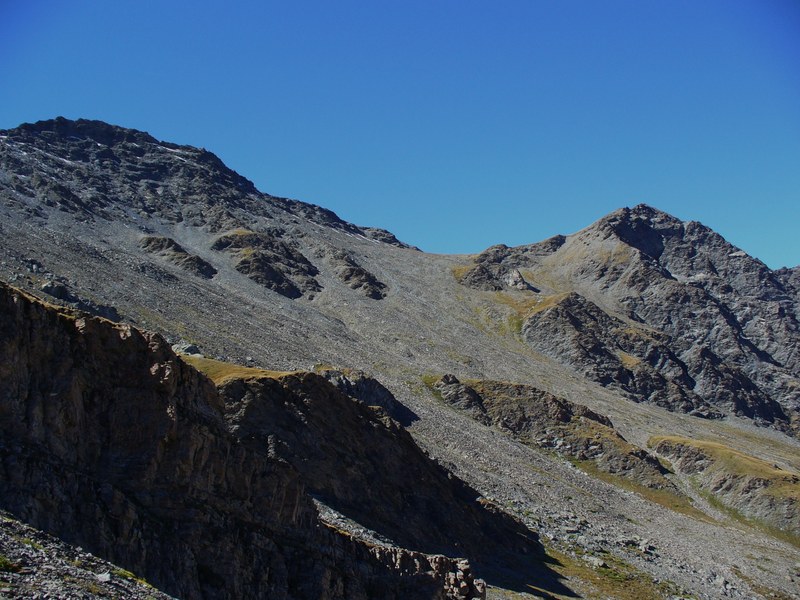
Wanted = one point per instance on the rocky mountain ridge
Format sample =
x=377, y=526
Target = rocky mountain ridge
x=640, y=325
x=667, y=311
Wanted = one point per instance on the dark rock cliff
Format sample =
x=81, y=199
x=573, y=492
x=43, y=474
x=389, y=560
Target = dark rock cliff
x=368, y=468
x=111, y=442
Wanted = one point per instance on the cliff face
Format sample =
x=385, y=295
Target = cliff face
x=368, y=468
x=111, y=442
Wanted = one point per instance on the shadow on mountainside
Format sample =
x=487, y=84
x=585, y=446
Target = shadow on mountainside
x=365, y=466
x=528, y=574
x=359, y=386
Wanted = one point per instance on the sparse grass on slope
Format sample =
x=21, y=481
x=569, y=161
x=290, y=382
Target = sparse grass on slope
x=221, y=372
x=779, y=481
x=616, y=579
x=666, y=498
x=749, y=490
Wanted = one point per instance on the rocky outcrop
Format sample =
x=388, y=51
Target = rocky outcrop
x=111, y=442
x=357, y=385
x=540, y=419
x=752, y=487
x=387, y=237
x=96, y=170
x=173, y=252
x=268, y=260
x=61, y=291
x=355, y=276
x=495, y=268
x=614, y=353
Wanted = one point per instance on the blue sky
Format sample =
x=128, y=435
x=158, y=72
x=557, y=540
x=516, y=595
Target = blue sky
x=456, y=124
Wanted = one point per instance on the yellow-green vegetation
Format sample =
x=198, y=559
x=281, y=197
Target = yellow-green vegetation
x=245, y=252
x=7, y=565
x=743, y=439
x=527, y=303
x=756, y=478
x=667, y=498
x=617, y=254
x=634, y=332
x=221, y=372
x=523, y=305
x=124, y=574
x=662, y=497
x=64, y=312
x=237, y=232
x=781, y=483
x=545, y=302
x=763, y=590
x=31, y=543
x=629, y=361
x=430, y=380
x=787, y=536
x=460, y=270
x=617, y=579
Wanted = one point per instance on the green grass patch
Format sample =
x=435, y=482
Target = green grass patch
x=31, y=543
x=460, y=270
x=125, y=574
x=789, y=537
x=430, y=381
x=629, y=361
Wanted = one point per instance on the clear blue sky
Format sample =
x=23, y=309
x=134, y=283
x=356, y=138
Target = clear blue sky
x=456, y=124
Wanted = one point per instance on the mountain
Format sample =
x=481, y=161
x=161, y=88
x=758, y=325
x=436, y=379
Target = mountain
x=666, y=311
x=592, y=415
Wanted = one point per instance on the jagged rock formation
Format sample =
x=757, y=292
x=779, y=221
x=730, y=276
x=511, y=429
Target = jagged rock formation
x=360, y=386
x=665, y=310
x=355, y=276
x=175, y=253
x=374, y=473
x=172, y=495
x=546, y=421
x=268, y=260
x=61, y=291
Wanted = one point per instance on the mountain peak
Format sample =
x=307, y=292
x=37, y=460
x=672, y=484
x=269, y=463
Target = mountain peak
x=97, y=131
